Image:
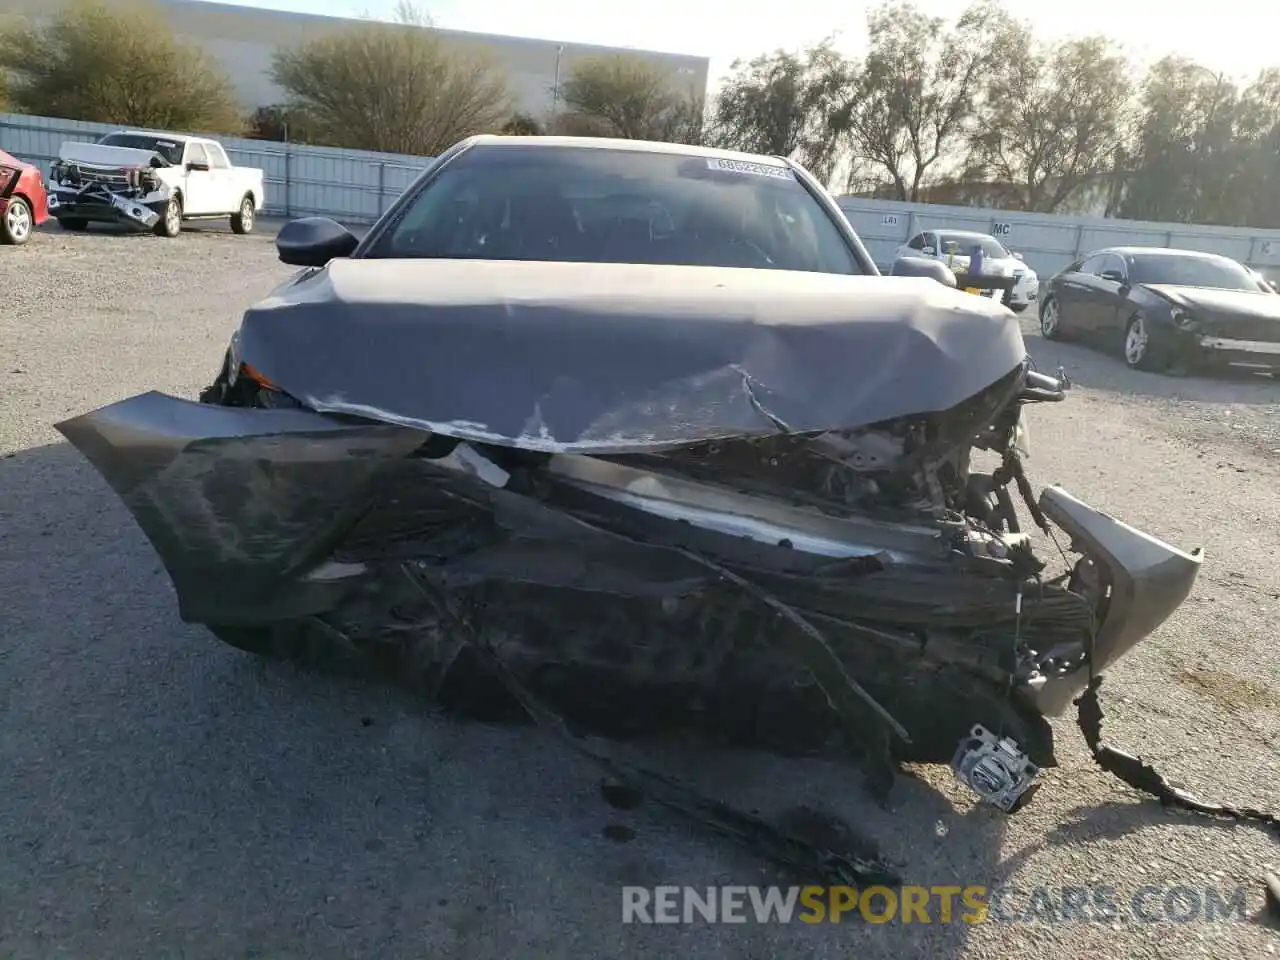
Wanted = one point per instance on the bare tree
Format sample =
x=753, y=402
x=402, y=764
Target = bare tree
x=1053, y=119
x=916, y=96
x=410, y=14
x=281, y=123
x=626, y=96
x=391, y=88
x=783, y=104
x=1186, y=152
x=521, y=125
x=405, y=12
x=89, y=62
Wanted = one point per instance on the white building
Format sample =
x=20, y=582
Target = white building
x=244, y=39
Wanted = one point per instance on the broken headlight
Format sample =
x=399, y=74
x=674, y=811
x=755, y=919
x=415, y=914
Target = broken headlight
x=144, y=179
x=62, y=172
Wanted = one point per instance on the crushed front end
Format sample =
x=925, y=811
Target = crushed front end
x=868, y=589
x=89, y=192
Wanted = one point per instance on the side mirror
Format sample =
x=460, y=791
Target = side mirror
x=920, y=267
x=314, y=241
x=1114, y=276
x=928, y=251
x=1017, y=256
x=197, y=165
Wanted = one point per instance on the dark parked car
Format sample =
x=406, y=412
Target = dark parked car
x=1165, y=308
x=638, y=432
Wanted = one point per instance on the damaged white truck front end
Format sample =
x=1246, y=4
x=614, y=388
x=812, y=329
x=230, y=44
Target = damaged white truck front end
x=152, y=182
x=92, y=182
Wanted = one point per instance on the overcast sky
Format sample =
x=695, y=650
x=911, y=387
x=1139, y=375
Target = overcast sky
x=1228, y=35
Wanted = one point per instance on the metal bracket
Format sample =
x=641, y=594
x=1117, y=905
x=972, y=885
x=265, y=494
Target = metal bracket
x=996, y=769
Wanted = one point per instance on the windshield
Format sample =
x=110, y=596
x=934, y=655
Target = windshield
x=599, y=205
x=1192, y=272
x=169, y=149
x=962, y=246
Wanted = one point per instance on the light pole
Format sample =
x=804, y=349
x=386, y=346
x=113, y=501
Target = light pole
x=555, y=85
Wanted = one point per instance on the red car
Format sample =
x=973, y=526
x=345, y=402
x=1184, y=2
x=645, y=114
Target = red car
x=23, y=203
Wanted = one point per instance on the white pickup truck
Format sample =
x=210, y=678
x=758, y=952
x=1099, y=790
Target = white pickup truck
x=153, y=181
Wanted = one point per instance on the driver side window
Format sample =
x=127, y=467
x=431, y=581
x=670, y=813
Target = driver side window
x=217, y=159
x=1115, y=263
x=917, y=242
x=1094, y=265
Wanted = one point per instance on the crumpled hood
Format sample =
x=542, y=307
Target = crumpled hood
x=613, y=357
x=1239, y=303
x=104, y=155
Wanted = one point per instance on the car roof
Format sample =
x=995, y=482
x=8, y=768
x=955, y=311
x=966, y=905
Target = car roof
x=618, y=143
x=959, y=233
x=175, y=137
x=1159, y=252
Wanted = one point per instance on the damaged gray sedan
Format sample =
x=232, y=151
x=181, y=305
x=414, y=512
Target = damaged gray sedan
x=637, y=435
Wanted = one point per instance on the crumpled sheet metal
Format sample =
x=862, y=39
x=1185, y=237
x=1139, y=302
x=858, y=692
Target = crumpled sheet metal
x=598, y=358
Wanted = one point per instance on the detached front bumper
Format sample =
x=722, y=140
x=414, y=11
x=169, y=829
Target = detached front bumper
x=239, y=504
x=244, y=508
x=106, y=207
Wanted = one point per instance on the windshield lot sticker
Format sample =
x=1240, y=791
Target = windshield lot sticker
x=755, y=169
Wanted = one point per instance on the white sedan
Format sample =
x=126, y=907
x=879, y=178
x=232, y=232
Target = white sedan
x=953, y=247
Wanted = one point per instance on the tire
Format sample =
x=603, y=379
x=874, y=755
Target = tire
x=72, y=224
x=170, y=223
x=17, y=223
x=242, y=220
x=1135, y=348
x=1050, y=320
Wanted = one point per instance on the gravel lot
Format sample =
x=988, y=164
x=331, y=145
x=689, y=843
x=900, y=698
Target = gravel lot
x=165, y=796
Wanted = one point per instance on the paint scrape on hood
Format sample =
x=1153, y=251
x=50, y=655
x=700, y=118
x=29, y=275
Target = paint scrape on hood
x=609, y=357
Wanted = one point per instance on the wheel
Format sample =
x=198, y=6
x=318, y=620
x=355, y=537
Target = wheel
x=16, y=226
x=72, y=224
x=1137, y=344
x=170, y=224
x=242, y=221
x=1050, y=320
